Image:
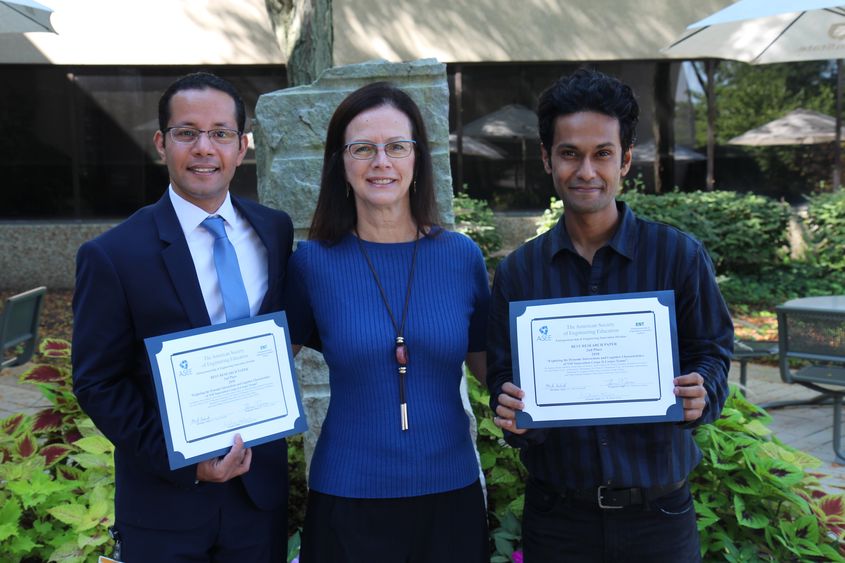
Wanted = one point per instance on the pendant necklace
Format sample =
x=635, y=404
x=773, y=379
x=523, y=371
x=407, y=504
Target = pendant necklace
x=401, y=349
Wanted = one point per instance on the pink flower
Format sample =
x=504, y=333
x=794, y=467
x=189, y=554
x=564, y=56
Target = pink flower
x=516, y=556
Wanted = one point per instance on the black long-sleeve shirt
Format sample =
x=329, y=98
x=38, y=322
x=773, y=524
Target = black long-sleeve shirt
x=641, y=256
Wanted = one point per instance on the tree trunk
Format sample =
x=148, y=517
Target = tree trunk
x=710, y=89
x=663, y=128
x=304, y=31
x=837, y=147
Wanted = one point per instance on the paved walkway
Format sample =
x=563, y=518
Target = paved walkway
x=808, y=428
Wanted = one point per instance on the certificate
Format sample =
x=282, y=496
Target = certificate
x=608, y=359
x=226, y=379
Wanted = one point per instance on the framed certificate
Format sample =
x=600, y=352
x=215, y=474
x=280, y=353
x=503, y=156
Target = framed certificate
x=608, y=359
x=217, y=381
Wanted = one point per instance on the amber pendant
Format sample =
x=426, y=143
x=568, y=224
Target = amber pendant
x=401, y=351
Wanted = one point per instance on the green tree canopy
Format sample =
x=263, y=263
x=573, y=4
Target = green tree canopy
x=749, y=96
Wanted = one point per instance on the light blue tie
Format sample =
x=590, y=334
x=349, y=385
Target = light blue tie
x=235, y=301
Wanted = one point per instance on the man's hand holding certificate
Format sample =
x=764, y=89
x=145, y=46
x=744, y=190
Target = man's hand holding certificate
x=225, y=382
x=611, y=359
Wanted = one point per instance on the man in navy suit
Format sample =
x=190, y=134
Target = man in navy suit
x=155, y=274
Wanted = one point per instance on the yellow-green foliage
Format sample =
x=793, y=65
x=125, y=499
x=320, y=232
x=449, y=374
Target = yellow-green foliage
x=56, y=473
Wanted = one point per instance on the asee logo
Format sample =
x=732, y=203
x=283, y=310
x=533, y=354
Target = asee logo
x=544, y=334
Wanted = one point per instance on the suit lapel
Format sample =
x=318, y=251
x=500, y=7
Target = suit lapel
x=178, y=261
x=263, y=229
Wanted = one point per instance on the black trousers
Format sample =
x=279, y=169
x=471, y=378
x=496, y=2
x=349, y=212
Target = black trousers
x=448, y=527
x=239, y=532
x=555, y=529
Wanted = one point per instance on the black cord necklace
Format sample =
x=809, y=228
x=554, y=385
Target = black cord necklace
x=401, y=349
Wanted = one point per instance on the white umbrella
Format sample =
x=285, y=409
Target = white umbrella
x=771, y=31
x=647, y=151
x=798, y=127
x=21, y=16
x=475, y=147
x=512, y=121
x=767, y=31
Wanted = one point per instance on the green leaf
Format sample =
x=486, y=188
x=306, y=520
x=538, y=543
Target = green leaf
x=92, y=541
x=829, y=553
x=68, y=552
x=93, y=461
x=486, y=427
x=72, y=514
x=94, y=445
x=500, y=476
x=488, y=460
x=743, y=482
x=503, y=546
x=23, y=544
x=749, y=516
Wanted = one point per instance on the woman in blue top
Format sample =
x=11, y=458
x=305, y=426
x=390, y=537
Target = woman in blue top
x=396, y=304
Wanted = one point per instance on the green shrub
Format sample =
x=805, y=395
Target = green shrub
x=756, y=498
x=778, y=283
x=474, y=218
x=56, y=473
x=298, y=488
x=742, y=232
x=504, y=474
x=826, y=226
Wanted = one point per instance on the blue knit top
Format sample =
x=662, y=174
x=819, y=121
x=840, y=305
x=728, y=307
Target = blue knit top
x=362, y=451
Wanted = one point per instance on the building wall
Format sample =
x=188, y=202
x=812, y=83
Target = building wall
x=42, y=253
x=505, y=31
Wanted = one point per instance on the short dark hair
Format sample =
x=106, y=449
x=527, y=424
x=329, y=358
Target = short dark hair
x=200, y=81
x=588, y=90
x=335, y=214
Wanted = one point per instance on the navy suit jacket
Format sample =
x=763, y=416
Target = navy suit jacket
x=135, y=281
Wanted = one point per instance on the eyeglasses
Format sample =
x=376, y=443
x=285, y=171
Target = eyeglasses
x=368, y=151
x=190, y=135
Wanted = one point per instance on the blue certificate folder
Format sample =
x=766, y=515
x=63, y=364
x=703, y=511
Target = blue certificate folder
x=558, y=382
x=215, y=381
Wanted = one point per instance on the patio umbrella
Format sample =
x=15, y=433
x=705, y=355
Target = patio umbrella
x=798, y=127
x=772, y=31
x=21, y=16
x=767, y=31
x=514, y=122
x=646, y=152
x=475, y=147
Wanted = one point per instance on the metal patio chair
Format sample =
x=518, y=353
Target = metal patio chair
x=812, y=330
x=19, y=326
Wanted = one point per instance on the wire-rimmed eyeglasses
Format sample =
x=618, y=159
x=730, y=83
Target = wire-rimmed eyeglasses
x=189, y=135
x=368, y=151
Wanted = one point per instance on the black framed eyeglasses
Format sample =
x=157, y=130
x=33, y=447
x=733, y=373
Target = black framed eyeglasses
x=190, y=135
x=368, y=151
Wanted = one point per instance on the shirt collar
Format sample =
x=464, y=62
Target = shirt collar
x=190, y=216
x=623, y=241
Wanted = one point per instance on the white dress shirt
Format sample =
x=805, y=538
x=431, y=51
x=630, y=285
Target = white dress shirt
x=252, y=255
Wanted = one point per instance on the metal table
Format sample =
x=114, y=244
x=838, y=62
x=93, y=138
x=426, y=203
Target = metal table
x=812, y=329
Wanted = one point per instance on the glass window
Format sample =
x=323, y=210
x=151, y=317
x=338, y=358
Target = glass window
x=82, y=144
